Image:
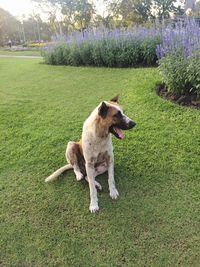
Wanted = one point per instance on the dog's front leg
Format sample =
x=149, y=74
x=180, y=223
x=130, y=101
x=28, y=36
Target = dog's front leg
x=93, y=191
x=111, y=180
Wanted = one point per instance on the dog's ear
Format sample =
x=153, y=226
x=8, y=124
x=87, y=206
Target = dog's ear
x=103, y=110
x=115, y=99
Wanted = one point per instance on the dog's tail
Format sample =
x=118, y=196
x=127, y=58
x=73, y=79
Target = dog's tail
x=54, y=175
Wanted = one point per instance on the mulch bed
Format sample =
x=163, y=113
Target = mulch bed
x=189, y=99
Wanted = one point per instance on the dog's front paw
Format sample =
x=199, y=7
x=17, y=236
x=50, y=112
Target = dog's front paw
x=94, y=207
x=114, y=193
x=79, y=176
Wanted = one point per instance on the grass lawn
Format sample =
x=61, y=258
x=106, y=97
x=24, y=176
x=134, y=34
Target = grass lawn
x=155, y=221
x=20, y=53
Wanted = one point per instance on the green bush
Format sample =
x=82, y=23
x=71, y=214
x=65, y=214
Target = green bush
x=97, y=54
x=110, y=52
x=58, y=55
x=86, y=55
x=74, y=55
x=193, y=72
x=180, y=74
x=179, y=56
x=148, y=48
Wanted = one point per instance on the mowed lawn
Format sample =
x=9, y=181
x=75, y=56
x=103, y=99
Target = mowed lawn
x=156, y=219
x=20, y=53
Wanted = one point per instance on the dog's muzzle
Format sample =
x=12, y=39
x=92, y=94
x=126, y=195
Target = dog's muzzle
x=131, y=124
x=125, y=124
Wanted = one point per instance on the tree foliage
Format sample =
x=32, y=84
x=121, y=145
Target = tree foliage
x=130, y=11
x=163, y=8
x=65, y=16
x=136, y=11
x=8, y=26
x=77, y=13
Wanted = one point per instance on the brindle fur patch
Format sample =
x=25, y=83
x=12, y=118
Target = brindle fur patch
x=76, y=158
x=103, y=157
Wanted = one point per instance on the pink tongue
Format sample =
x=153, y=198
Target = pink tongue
x=119, y=132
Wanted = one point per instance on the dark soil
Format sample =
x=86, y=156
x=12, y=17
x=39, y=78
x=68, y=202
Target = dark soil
x=190, y=99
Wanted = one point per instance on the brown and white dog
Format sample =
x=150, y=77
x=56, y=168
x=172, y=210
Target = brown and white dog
x=93, y=154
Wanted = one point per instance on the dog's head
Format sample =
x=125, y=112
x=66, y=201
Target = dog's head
x=113, y=116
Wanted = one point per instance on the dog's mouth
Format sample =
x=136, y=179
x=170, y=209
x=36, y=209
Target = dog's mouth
x=116, y=129
x=117, y=132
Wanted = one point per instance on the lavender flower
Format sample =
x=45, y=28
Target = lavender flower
x=184, y=36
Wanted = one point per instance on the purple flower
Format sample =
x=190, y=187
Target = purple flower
x=183, y=36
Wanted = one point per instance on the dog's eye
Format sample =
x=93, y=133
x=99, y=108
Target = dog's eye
x=118, y=114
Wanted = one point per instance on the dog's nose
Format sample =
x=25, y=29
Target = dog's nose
x=132, y=124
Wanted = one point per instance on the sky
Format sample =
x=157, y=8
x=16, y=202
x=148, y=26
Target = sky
x=19, y=7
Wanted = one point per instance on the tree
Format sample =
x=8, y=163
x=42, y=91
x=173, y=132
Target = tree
x=35, y=29
x=143, y=8
x=108, y=21
x=137, y=11
x=78, y=13
x=163, y=8
x=131, y=11
x=9, y=27
x=179, y=11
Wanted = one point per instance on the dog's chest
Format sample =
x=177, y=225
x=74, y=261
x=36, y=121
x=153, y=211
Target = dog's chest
x=103, y=157
x=97, y=150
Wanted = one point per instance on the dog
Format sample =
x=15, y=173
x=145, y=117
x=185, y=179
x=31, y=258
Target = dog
x=93, y=154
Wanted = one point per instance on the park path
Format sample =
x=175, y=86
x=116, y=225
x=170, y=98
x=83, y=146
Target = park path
x=10, y=56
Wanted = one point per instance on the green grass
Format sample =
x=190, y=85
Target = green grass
x=21, y=53
x=155, y=221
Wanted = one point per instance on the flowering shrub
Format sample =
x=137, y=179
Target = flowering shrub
x=193, y=71
x=177, y=46
x=179, y=54
x=117, y=48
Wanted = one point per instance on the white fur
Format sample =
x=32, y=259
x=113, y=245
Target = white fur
x=54, y=175
x=97, y=150
x=94, y=145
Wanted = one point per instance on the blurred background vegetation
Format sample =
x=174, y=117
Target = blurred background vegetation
x=64, y=16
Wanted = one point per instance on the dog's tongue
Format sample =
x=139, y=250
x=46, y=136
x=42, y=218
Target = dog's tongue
x=119, y=132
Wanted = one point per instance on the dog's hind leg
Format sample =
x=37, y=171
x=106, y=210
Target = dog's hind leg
x=76, y=159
